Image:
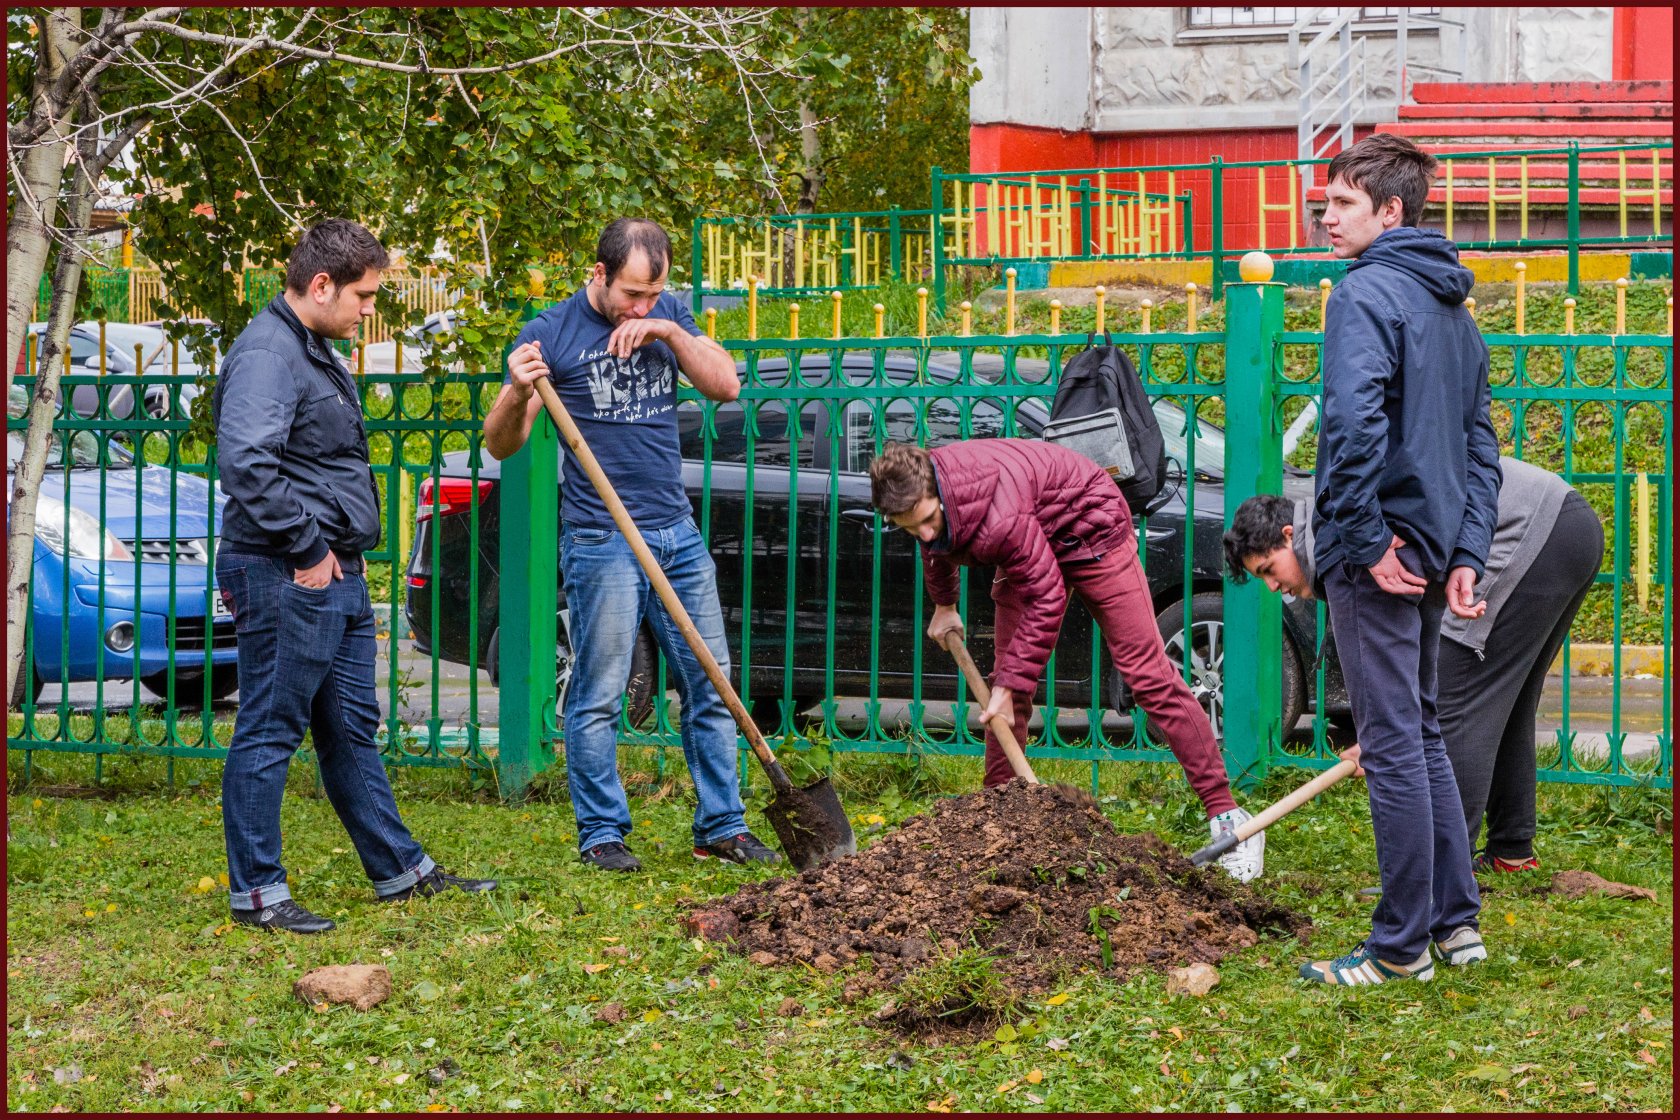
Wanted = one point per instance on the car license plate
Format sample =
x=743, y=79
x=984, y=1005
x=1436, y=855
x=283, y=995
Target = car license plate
x=220, y=612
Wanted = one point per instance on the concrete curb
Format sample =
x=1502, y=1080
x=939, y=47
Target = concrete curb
x=1597, y=659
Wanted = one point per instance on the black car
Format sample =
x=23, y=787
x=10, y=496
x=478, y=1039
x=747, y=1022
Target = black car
x=838, y=545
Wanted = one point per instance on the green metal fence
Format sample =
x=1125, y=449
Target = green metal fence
x=824, y=607
x=1499, y=199
x=122, y=577
x=795, y=255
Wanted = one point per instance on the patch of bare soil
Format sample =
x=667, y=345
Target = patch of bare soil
x=1034, y=876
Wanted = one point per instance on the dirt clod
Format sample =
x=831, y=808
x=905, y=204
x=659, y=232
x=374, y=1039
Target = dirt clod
x=1193, y=980
x=1575, y=884
x=610, y=1013
x=1035, y=877
x=362, y=986
x=790, y=1009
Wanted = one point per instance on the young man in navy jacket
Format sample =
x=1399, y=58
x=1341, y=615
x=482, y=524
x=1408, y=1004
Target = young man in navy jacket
x=1406, y=499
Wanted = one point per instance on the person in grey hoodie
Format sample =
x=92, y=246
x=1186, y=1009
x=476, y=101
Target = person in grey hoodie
x=1548, y=545
x=1405, y=499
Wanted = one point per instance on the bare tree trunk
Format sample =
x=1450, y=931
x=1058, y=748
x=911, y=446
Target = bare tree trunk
x=26, y=488
x=811, y=174
x=38, y=175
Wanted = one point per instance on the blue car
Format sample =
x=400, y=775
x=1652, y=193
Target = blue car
x=71, y=547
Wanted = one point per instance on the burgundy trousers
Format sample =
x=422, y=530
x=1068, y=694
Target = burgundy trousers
x=1114, y=590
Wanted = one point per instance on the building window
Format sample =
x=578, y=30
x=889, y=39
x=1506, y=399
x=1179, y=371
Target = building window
x=1270, y=19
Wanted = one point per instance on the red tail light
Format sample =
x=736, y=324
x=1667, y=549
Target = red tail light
x=452, y=495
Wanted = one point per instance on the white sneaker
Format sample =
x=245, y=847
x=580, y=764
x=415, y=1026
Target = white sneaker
x=1247, y=859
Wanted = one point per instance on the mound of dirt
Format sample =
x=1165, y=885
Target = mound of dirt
x=1035, y=876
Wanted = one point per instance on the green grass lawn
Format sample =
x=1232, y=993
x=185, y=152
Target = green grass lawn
x=127, y=989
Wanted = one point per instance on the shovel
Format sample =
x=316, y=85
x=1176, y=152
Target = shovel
x=809, y=820
x=1273, y=813
x=958, y=649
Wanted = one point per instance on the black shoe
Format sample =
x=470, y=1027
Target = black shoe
x=436, y=881
x=612, y=856
x=745, y=848
x=286, y=915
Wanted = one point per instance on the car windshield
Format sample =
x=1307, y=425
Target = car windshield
x=81, y=450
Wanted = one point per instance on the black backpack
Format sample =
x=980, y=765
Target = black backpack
x=1102, y=412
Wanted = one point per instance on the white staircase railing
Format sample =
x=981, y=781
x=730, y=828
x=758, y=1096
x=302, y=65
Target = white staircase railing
x=1330, y=69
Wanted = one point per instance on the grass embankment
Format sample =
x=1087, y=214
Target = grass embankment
x=129, y=990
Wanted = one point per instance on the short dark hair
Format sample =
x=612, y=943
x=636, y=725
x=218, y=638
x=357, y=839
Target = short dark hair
x=900, y=476
x=624, y=236
x=342, y=249
x=1256, y=529
x=1386, y=167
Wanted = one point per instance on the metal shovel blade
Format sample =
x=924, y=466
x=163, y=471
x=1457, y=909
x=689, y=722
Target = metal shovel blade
x=811, y=824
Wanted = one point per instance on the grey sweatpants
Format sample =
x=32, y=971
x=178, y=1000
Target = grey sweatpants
x=1487, y=703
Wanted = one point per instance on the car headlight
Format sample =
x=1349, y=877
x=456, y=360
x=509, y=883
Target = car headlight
x=70, y=532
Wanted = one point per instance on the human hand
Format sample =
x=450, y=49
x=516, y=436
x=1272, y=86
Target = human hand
x=318, y=576
x=1352, y=755
x=1002, y=703
x=1461, y=593
x=633, y=334
x=1393, y=576
x=526, y=366
x=945, y=621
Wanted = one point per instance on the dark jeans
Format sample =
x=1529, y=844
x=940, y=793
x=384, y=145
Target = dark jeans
x=1388, y=646
x=306, y=662
x=1488, y=699
x=1115, y=591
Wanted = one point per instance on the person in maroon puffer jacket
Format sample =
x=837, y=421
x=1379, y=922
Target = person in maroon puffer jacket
x=1049, y=519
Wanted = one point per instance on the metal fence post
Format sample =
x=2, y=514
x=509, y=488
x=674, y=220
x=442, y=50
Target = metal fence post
x=697, y=267
x=1252, y=669
x=1574, y=217
x=1216, y=230
x=936, y=238
x=526, y=605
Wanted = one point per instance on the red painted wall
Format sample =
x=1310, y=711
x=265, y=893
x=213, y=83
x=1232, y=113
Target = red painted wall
x=1007, y=147
x=1642, y=43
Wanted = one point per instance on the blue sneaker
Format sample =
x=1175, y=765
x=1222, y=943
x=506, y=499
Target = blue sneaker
x=1362, y=967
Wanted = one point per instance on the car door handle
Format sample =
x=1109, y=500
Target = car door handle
x=866, y=518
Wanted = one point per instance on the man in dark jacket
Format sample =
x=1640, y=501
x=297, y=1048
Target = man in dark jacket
x=302, y=508
x=1547, y=548
x=1407, y=456
x=1049, y=519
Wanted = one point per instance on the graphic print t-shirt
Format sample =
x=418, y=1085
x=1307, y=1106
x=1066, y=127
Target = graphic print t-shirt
x=626, y=409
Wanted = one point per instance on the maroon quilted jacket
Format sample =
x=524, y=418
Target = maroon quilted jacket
x=1023, y=507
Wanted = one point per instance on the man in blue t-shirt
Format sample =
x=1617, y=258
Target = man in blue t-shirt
x=612, y=352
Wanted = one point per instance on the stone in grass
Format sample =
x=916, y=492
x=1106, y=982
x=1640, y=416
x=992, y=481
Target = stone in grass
x=1195, y=980
x=362, y=986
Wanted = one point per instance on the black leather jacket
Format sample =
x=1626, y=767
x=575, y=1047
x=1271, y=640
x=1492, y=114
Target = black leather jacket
x=291, y=447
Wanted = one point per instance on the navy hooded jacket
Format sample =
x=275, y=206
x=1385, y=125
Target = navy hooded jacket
x=1406, y=447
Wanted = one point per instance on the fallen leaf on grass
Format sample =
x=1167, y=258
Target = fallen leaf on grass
x=1057, y=1000
x=1035, y=1076
x=1056, y=1043
x=1176, y=1033
x=1646, y=1057
x=592, y=969
x=1008, y=1087
x=1490, y=1072
x=944, y=1105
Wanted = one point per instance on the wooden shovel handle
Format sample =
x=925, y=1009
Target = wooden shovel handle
x=983, y=695
x=1294, y=800
x=667, y=594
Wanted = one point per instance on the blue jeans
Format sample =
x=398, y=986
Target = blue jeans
x=607, y=596
x=1388, y=646
x=306, y=661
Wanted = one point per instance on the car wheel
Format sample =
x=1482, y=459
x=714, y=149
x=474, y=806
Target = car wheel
x=189, y=684
x=644, y=670
x=31, y=683
x=766, y=711
x=1207, y=660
